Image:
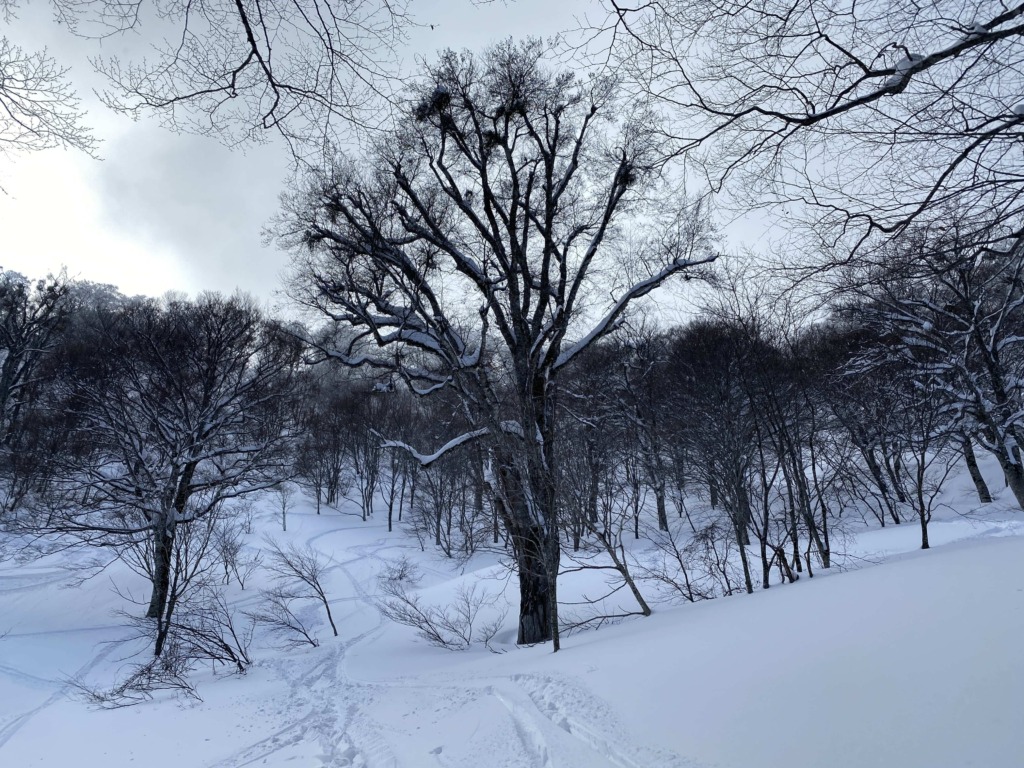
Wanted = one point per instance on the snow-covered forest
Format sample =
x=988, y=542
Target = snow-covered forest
x=530, y=465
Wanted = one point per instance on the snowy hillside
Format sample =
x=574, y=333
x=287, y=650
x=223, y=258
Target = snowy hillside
x=910, y=660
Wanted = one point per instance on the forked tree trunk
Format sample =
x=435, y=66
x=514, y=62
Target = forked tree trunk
x=883, y=487
x=161, y=603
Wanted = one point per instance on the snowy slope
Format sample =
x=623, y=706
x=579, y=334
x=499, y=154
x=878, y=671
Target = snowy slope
x=914, y=662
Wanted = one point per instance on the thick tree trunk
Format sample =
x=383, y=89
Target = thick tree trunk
x=163, y=551
x=537, y=561
x=495, y=527
x=984, y=495
x=766, y=565
x=163, y=628
x=1014, y=474
x=747, y=580
x=536, y=587
x=592, y=495
x=922, y=515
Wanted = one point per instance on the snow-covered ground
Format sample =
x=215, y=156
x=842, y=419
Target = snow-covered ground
x=908, y=659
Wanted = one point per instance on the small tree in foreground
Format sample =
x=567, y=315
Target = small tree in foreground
x=454, y=627
x=299, y=572
x=180, y=409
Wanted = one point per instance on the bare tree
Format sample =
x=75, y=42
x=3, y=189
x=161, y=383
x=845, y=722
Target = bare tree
x=300, y=572
x=643, y=390
x=710, y=361
x=204, y=629
x=950, y=311
x=399, y=417
x=468, y=251
x=362, y=444
x=230, y=548
x=32, y=319
x=454, y=627
x=38, y=107
x=276, y=613
x=183, y=411
x=284, y=495
x=875, y=115
x=321, y=443
x=31, y=314
x=305, y=70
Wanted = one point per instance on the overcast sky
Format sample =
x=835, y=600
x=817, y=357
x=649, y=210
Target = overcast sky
x=163, y=211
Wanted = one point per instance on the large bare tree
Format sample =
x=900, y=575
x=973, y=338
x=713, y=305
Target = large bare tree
x=504, y=226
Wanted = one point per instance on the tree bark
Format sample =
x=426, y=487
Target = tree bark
x=984, y=495
x=876, y=473
x=744, y=560
x=535, y=586
x=163, y=549
x=659, y=496
x=1014, y=474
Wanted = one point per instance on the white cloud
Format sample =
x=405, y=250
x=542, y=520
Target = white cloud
x=50, y=218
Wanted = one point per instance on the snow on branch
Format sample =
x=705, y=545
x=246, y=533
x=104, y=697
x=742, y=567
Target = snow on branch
x=639, y=290
x=425, y=460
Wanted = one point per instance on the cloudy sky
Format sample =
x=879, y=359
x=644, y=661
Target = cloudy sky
x=162, y=211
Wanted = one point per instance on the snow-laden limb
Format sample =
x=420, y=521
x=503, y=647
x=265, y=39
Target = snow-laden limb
x=607, y=323
x=425, y=459
x=903, y=69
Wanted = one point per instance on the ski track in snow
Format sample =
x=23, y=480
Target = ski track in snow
x=27, y=580
x=589, y=720
x=532, y=722
x=317, y=707
x=9, y=729
x=522, y=721
x=322, y=704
